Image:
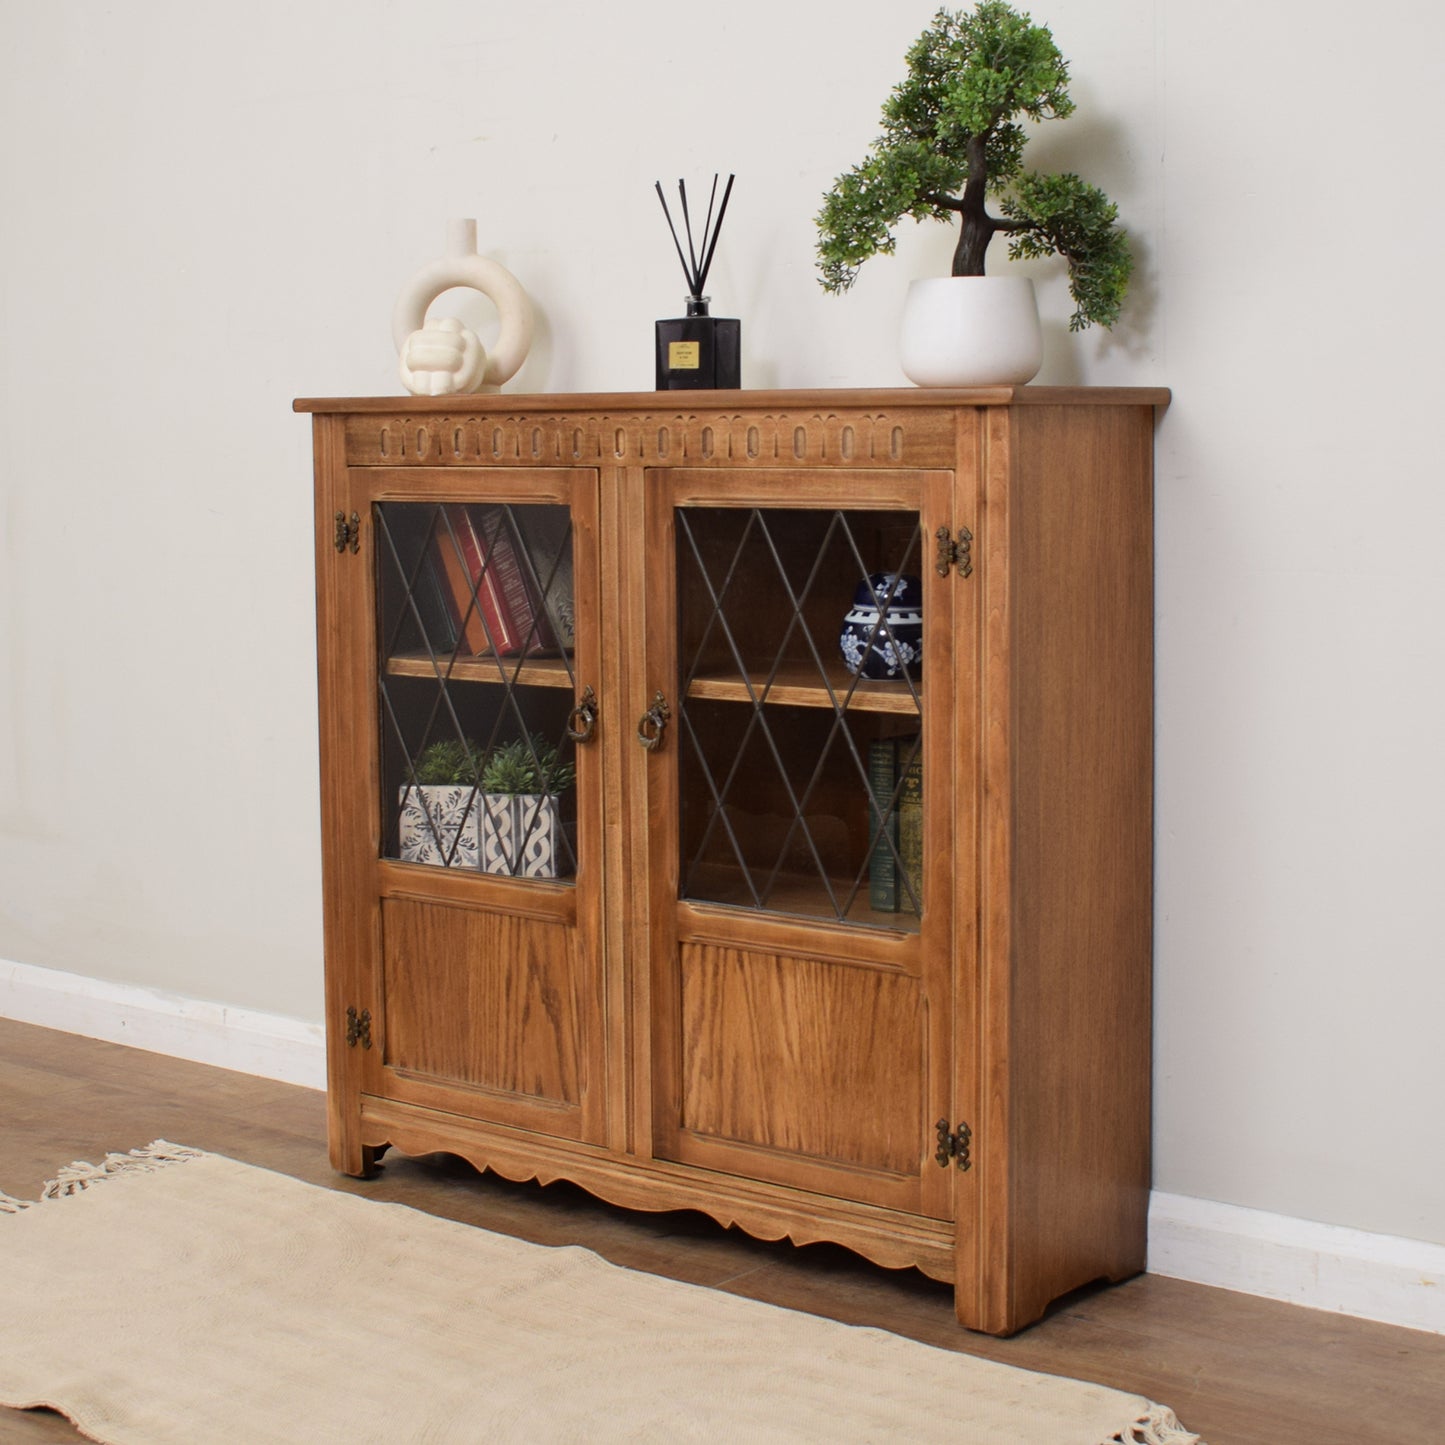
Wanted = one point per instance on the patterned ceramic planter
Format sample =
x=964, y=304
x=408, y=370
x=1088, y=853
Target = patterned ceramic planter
x=521, y=834
x=441, y=825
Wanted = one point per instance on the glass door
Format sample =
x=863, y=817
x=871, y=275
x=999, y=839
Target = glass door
x=807, y=679
x=488, y=807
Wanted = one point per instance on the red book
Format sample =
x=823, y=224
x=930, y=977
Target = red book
x=523, y=617
x=480, y=620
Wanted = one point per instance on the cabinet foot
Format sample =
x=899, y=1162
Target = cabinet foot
x=371, y=1155
x=362, y=1162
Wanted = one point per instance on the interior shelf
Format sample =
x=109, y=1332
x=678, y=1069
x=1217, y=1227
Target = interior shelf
x=531, y=671
x=798, y=684
x=794, y=895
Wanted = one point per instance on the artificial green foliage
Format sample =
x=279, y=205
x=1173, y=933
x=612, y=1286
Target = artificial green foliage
x=446, y=764
x=526, y=765
x=952, y=140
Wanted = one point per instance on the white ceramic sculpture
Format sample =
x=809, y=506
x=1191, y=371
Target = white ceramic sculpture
x=447, y=357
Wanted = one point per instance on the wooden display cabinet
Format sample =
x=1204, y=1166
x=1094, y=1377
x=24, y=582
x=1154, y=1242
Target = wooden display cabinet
x=827, y=958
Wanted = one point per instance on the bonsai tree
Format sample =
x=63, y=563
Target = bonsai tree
x=952, y=140
x=526, y=765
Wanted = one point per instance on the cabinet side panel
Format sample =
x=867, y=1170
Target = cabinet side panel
x=1082, y=650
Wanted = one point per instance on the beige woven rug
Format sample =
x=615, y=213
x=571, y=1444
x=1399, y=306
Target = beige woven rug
x=172, y=1296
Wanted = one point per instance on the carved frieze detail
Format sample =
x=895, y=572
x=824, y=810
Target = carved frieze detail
x=662, y=438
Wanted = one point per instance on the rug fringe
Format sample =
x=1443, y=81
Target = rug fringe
x=1157, y=1426
x=79, y=1176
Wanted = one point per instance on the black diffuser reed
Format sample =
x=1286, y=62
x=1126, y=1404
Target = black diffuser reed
x=697, y=351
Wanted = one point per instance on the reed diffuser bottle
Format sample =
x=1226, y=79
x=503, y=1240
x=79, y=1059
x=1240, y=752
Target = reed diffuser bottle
x=698, y=352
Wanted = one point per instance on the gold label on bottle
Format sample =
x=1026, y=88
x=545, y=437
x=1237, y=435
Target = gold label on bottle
x=684, y=355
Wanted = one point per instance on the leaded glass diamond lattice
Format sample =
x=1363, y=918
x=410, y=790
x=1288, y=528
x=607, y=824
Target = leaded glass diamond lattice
x=475, y=686
x=801, y=781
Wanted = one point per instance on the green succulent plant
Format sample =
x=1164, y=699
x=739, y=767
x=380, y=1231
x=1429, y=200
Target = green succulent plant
x=526, y=765
x=448, y=763
x=952, y=140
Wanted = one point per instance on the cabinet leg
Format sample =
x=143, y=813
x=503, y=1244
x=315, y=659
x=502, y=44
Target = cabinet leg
x=360, y=1161
x=371, y=1160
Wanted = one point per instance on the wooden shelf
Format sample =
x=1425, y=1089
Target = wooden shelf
x=798, y=684
x=791, y=895
x=531, y=671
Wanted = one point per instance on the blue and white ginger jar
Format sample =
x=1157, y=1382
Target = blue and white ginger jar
x=884, y=652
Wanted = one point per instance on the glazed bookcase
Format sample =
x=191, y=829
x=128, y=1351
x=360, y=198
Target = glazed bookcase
x=865, y=961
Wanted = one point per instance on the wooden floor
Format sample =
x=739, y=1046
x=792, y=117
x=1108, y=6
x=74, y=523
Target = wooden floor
x=1236, y=1369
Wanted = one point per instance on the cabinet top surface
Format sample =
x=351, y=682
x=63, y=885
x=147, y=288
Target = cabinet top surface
x=685, y=401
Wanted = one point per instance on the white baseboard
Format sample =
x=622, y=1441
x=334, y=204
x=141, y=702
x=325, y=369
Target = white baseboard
x=1322, y=1266
x=268, y=1045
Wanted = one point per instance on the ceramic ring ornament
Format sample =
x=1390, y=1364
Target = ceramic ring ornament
x=882, y=636
x=447, y=357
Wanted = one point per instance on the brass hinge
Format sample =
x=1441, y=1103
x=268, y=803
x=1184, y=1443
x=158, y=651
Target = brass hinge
x=348, y=532
x=358, y=1028
x=954, y=1145
x=953, y=553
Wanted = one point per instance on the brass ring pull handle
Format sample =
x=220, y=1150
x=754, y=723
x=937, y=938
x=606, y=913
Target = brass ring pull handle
x=649, y=730
x=582, y=720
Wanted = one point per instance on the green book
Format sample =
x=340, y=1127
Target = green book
x=910, y=825
x=882, y=868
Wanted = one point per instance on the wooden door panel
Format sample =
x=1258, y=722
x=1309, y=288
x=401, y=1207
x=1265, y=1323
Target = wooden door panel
x=774, y=1055
x=479, y=1002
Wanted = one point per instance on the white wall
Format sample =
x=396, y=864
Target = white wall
x=206, y=210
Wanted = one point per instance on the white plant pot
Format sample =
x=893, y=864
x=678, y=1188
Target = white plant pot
x=441, y=825
x=521, y=834
x=971, y=331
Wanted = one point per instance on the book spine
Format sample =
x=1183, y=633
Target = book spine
x=453, y=570
x=546, y=538
x=520, y=604
x=910, y=827
x=490, y=614
x=882, y=867
x=435, y=607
